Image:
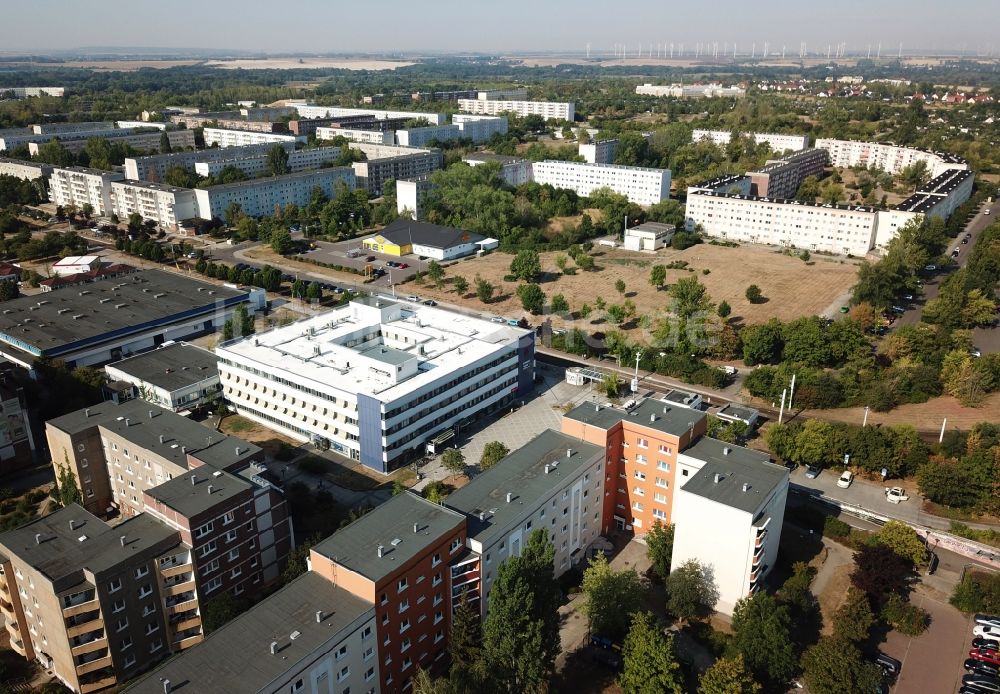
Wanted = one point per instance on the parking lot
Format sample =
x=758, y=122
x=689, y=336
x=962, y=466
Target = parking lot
x=336, y=253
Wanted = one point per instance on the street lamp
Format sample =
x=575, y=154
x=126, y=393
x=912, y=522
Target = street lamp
x=635, y=381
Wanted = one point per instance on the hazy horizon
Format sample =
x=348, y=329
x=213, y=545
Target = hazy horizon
x=556, y=25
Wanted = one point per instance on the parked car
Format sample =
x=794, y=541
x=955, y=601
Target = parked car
x=965, y=241
x=981, y=642
x=908, y=297
x=978, y=667
x=981, y=683
x=496, y=319
x=990, y=620
x=895, y=495
x=413, y=297
x=955, y=252
x=812, y=472
x=986, y=655
x=370, y=259
x=890, y=666
x=430, y=302
x=846, y=477
x=986, y=631
x=930, y=267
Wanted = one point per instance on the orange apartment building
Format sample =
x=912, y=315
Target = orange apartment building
x=641, y=447
x=398, y=558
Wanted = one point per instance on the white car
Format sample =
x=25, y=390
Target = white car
x=895, y=495
x=986, y=631
x=846, y=477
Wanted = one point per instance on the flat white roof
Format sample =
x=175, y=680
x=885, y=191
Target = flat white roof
x=77, y=260
x=343, y=348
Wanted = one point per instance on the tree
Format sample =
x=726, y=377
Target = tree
x=762, y=344
x=620, y=286
x=221, y=608
x=835, y=665
x=854, y=619
x=762, y=634
x=649, y=665
x=423, y=683
x=660, y=547
x=559, y=304
x=435, y=272
x=277, y=160
x=526, y=265
x=724, y=309
x=728, y=675
x=88, y=210
x=584, y=261
x=454, y=460
x=135, y=221
x=521, y=631
x=460, y=284
x=610, y=597
x=281, y=241
x=754, y=295
x=493, y=453
x=532, y=297
x=611, y=385
x=165, y=146
x=691, y=590
x=314, y=292
x=9, y=290
x=878, y=570
x=658, y=276
x=904, y=541
x=689, y=297
x=484, y=290
x=69, y=492
x=465, y=648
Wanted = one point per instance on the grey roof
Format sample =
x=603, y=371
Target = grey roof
x=171, y=367
x=655, y=227
x=388, y=355
x=237, y=656
x=408, y=231
x=210, y=488
x=522, y=473
x=737, y=467
x=738, y=411
x=489, y=156
x=391, y=526
x=60, y=322
x=331, y=173
x=374, y=301
x=91, y=544
x=674, y=420
x=680, y=397
x=177, y=432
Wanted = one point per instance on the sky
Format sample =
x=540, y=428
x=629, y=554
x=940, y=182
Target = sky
x=395, y=26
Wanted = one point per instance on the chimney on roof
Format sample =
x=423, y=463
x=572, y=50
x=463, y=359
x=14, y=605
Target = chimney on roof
x=569, y=452
x=546, y=468
x=665, y=409
x=416, y=527
x=161, y=438
x=127, y=422
x=237, y=450
x=380, y=550
x=319, y=616
x=122, y=540
x=72, y=524
x=209, y=489
x=652, y=418
x=274, y=647
x=184, y=449
x=38, y=538
x=150, y=414
x=194, y=479
x=510, y=495
x=725, y=450
x=746, y=487
x=86, y=411
x=718, y=477
x=166, y=686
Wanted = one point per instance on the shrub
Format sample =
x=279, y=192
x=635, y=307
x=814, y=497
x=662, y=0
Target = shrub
x=903, y=617
x=978, y=592
x=834, y=527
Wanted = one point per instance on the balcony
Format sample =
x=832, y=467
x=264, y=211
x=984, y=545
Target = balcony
x=6, y=607
x=103, y=683
x=81, y=607
x=761, y=536
x=85, y=627
x=93, y=665
x=179, y=588
x=192, y=622
x=89, y=646
x=182, y=606
x=175, y=570
x=187, y=642
x=17, y=645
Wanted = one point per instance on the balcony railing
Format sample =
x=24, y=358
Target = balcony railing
x=90, y=646
x=92, y=665
x=761, y=536
x=85, y=627
x=182, y=606
x=179, y=588
x=81, y=607
x=95, y=685
x=175, y=569
x=187, y=642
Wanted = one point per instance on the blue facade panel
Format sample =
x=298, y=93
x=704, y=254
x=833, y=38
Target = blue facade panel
x=525, y=364
x=370, y=432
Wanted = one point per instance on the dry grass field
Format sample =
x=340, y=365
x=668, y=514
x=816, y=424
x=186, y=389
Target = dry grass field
x=792, y=287
x=309, y=64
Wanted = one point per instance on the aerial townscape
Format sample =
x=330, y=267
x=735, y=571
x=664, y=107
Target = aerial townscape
x=420, y=351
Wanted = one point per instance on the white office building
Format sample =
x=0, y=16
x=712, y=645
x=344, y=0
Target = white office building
x=238, y=138
x=177, y=376
x=728, y=516
x=154, y=167
x=778, y=142
x=79, y=186
x=420, y=137
x=640, y=185
x=513, y=170
x=257, y=165
x=549, y=110
x=599, y=152
x=312, y=111
x=148, y=140
x=377, y=379
x=480, y=128
x=263, y=196
x=167, y=205
x=748, y=219
x=24, y=169
x=378, y=137
x=887, y=157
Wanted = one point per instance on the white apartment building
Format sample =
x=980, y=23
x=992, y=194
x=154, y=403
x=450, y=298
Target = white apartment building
x=599, y=152
x=262, y=196
x=728, y=516
x=549, y=110
x=154, y=167
x=146, y=141
x=778, y=142
x=238, y=138
x=313, y=111
x=76, y=185
x=168, y=205
x=513, y=170
x=377, y=379
x=410, y=195
x=373, y=173
x=257, y=165
x=842, y=230
x=554, y=482
x=887, y=157
x=512, y=94
x=693, y=91
x=939, y=197
x=15, y=138
x=141, y=124
x=24, y=169
x=25, y=92
x=378, y=137
x=177, y=376
x=480, y=128
x=61, y=129
x=419, y=137
x=640, y=185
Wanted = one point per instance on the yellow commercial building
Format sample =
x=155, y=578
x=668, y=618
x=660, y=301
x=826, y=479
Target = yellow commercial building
x=381, y=244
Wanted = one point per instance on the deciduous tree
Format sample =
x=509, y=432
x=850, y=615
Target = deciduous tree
x=611, y=597
x=728, y=676
x=660, y=547
x=493, y=453
x=649, y=663
x=691, y=590
x=762, y=634
x=835, y=665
